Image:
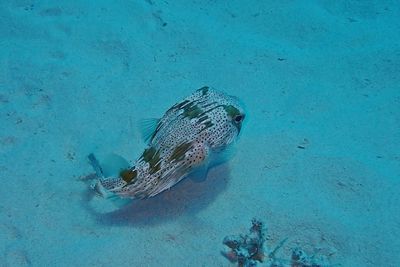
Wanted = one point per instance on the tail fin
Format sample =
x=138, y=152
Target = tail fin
x=96, y=165
x=103, y=185
x=101, y=190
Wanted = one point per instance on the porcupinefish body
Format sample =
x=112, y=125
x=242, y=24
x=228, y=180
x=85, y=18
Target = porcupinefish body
x=184, y=139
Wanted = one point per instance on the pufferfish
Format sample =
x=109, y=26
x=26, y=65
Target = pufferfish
x=184, y=140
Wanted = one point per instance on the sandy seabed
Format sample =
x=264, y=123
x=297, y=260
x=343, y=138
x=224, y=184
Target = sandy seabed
x=318, y=159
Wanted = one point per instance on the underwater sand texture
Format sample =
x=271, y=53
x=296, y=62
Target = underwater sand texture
x=318, y=159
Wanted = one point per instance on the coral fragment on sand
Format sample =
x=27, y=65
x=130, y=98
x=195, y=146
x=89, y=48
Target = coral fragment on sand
x=248, y=250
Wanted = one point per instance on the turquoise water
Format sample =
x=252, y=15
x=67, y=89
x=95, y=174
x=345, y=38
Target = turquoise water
x=317, y=160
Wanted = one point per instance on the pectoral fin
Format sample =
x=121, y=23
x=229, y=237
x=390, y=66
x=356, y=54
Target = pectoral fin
x=147, y=128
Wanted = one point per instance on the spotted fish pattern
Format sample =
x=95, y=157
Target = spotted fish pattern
x=205, y=122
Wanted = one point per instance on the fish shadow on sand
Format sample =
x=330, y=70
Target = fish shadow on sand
x=187, y=197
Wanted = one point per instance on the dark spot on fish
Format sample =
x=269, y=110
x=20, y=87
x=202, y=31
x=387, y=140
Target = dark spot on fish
x=209, y=104
x=203, y=118
x=208, y=124
x=192, y=111
x=148, y=154
x=231, y=110
x=180, y=105
x=128, y=175
x=152, y=156
x=179, y=151
x=155, y=164
x=204, y=90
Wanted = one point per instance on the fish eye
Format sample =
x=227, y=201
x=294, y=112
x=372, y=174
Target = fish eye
x=238, y=118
